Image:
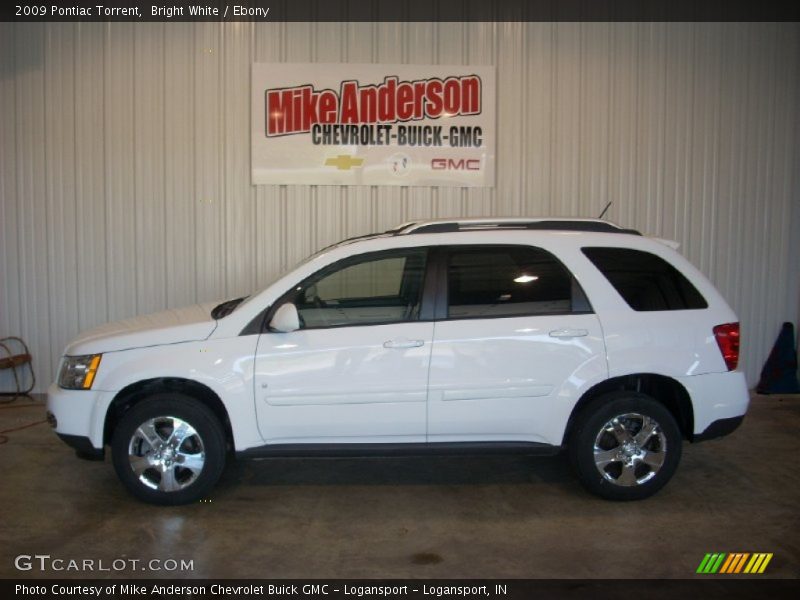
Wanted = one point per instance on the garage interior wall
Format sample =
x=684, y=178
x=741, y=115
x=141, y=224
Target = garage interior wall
x=125, y=157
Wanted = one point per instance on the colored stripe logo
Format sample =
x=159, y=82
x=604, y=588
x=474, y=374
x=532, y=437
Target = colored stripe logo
x=734, y=562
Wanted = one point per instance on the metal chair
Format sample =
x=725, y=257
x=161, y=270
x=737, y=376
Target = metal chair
x=16, y=362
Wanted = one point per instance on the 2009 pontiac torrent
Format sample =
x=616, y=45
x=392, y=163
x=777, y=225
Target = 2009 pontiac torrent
x=518, y=335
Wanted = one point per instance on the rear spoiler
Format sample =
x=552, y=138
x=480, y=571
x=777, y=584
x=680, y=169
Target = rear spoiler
x=670, y=243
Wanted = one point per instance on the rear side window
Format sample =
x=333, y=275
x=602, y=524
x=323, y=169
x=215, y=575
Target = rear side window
x=647, y=282
x=504, y=281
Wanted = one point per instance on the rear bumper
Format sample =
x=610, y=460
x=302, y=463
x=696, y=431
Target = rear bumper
x=719, y=402
x=718, y=429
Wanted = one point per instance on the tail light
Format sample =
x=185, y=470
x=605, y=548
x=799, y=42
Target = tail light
x=727, y=337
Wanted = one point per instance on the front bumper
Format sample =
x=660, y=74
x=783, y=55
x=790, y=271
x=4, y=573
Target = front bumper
x=79, y=415
x=83, y=446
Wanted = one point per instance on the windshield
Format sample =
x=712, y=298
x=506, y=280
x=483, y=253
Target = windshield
x=236, y=303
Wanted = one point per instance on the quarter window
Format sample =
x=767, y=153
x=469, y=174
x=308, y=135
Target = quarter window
x=504, y=281
x=383, y=287
x=645, y=281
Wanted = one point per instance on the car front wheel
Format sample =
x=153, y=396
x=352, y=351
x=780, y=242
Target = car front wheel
x=625, y=446
x=169, y=449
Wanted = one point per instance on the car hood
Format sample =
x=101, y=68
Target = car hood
x=192, y=323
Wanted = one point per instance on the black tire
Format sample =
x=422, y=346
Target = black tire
x=200, y=445
x=608, y=430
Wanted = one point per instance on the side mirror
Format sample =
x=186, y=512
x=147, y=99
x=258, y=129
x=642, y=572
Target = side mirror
x=285, y=319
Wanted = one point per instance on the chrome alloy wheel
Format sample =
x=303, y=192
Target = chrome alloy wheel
x=166, y=454
x=630, y=449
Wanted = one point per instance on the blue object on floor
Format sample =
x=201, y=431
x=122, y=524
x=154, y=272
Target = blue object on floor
x=779, y=375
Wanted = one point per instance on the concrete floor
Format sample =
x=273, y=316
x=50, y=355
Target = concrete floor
x=412, y=517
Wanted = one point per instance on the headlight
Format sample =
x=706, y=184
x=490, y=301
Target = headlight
x=77, y=372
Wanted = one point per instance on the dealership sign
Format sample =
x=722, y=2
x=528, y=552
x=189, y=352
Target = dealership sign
x=355, y=124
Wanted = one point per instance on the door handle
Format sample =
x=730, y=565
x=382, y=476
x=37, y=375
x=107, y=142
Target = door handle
x=568, y=333
x=403, y=343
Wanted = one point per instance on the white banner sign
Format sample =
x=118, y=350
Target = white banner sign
x=356, y=124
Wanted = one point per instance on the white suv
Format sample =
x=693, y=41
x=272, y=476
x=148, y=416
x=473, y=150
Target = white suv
x=518, y=335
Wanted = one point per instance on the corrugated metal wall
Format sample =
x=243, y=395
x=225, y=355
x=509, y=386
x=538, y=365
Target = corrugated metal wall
x=124, y=157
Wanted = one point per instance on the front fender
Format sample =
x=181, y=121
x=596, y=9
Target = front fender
x=225, y=366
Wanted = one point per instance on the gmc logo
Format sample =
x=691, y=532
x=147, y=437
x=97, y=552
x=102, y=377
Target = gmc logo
x=451, y=164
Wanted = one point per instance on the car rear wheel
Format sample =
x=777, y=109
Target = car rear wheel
x=169, y=449
x=625, y=446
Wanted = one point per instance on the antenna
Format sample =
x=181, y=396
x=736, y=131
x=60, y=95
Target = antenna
x=605, y=209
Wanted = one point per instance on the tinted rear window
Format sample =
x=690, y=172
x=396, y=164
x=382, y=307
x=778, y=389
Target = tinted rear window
x=647, y=282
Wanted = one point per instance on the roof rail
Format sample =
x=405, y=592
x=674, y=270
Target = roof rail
x=484, y=224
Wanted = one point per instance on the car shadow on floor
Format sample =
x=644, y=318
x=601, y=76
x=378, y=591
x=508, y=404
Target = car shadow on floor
x=417, y=470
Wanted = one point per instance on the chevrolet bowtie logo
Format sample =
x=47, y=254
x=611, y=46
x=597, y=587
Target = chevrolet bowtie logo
x=344, y=162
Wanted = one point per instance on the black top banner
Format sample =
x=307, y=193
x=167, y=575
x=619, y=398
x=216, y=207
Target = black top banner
x=401, y=10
